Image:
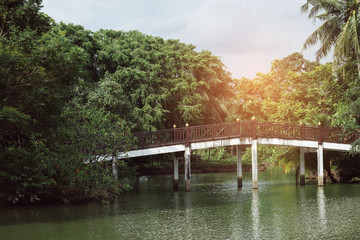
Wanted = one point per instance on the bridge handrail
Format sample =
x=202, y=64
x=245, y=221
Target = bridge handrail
x=253, y=129
x=160, y=137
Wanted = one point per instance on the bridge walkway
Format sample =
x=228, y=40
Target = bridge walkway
x=181, y=141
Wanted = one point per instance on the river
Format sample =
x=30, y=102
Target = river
x=214, y=209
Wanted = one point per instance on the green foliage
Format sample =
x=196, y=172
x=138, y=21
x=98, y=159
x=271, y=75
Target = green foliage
x=165, y=82
x=216, y=154
x=295, y=90
x=265, y=153
x=87, y=136
x=38, y=70
x=339, y=29
x=70, y=97
x=288, y=158
x=42, y=68
x=20, y=15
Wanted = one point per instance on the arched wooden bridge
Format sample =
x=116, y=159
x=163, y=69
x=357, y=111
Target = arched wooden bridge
x=241, y=134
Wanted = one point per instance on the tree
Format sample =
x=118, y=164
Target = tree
x=340, y=29
x=296, y=90
x=19, y=15
x=78, y=36
x=39, y=69
x=85, y=146
x=160, y=82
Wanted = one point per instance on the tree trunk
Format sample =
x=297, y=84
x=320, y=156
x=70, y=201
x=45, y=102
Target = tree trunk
x=328, y=168
x=333, y=180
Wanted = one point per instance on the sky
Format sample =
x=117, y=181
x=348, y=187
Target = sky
x=247, y=35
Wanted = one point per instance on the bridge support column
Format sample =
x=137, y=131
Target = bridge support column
x=176, y=172
x=254, y=163
x=302, y=166
x=239, y=166
x=232, y=153
x=187, y=168
x=320, y=164
x=114, y=168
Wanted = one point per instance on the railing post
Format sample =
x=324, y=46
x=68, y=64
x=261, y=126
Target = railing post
x=174, y=134
x=237, y=130
x=253, y=127
x=320, y=133
x=187, y=140
x=302, y=137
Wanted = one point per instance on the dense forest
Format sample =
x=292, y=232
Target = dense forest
x=70, y=94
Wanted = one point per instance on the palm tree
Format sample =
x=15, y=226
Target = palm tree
x=339, y=31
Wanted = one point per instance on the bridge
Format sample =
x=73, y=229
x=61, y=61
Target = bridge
x=181, y=141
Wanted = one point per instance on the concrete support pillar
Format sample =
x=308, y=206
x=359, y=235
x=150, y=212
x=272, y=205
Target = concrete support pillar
x=187, y=168
x=114, y=168
x=232, y=153
x=302, y=166
x=239, y=166
x=176, y=172
x=254, y=163
x=320, y=165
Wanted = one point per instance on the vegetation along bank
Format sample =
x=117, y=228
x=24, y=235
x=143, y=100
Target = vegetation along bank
x=69, y=94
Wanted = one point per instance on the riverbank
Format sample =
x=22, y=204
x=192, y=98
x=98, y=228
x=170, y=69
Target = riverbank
x=158, y=168
x=196, y=167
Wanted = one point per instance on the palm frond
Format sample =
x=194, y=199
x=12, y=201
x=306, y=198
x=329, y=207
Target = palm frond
x=340, y=28
x=347, y=43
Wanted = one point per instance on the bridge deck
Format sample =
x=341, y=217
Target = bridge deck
x=308, y=138
x=234, y=142
x=239, y=133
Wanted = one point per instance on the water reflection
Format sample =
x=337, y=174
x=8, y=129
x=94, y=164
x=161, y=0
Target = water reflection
x=301, y=191
x=188, y=216
x=176, y=200
x=321, y=207
x=214, y=209
x=237, y=224
x=255, y=214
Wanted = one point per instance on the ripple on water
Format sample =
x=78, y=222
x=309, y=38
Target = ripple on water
x=214, y=209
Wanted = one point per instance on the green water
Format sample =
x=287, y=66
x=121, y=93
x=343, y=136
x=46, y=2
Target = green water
x=214, y=209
